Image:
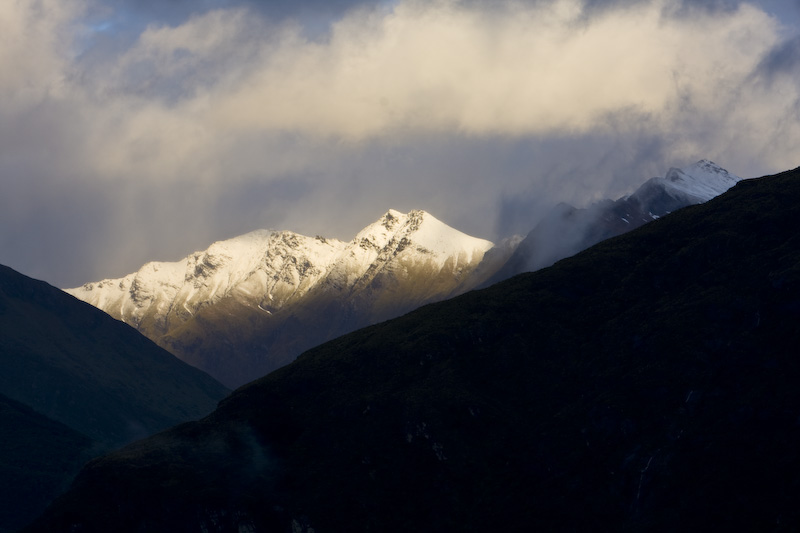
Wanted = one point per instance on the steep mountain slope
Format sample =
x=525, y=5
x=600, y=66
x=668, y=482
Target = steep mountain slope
x=568, y=230
x=253, y=303
x=38, y=459
x=75, y=364
x=75, y=383
x=648, y=383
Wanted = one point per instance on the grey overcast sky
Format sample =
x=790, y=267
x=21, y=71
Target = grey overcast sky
x=139, y=130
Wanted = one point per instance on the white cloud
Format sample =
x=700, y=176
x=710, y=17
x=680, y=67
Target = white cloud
x=441, y=67
x=404, y=104
x=35, y=49
x=198, y=89
x=446, y=67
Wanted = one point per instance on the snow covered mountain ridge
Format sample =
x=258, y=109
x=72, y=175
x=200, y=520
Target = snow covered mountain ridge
x=399, y=262
x=250, y=304
x=697, y=183
x=567, y=230
x=270, y=268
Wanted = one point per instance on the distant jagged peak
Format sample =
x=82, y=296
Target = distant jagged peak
x=418, y=227
x=707, y=166
x=265, y=243
x=260, y=243
x=247, y=239
x=700, y=181
x=693, y=184
x=207, y=275
x=218, y=268
x=378, y=234
x=392, y=218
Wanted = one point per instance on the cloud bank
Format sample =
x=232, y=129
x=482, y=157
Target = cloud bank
x=118, y=147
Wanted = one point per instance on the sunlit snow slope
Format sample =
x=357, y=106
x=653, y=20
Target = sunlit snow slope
x=252, y=303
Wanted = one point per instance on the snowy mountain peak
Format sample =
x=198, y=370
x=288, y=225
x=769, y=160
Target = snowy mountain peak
x=262, y=263
x=268, y=272
x=432, y=234
x=700, y=181
x=378, y=234
x=418, y=232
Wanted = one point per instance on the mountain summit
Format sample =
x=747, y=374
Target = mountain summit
x=646, y=384
x=567, y=230
x=697, y=183
x=250, y=304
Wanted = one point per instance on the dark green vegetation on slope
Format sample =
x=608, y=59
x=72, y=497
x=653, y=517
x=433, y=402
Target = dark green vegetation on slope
x=646, y=383
x=74, y=365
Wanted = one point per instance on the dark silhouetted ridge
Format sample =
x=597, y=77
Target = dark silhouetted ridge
x=648, y=383
x=75, y=364
x=85, y=383
x=38, y=458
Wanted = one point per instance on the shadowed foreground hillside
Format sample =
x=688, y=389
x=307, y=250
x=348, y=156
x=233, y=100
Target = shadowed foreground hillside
x=649, y=383
x=38, y=459
x=75, y=383
x=75, y=364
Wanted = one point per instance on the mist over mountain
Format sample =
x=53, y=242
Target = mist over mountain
x=251, y=304
x=647, y=383
x=139, y=130
x=567, y=230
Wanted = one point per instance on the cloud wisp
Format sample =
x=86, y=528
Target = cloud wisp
x=473, y=103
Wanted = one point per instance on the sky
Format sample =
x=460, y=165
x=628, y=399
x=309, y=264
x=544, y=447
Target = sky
x=143, y=130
